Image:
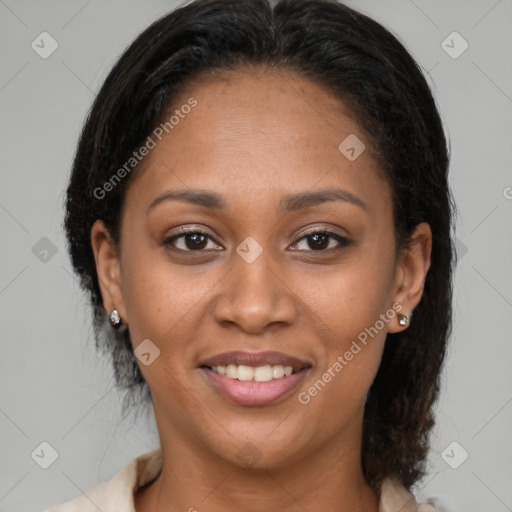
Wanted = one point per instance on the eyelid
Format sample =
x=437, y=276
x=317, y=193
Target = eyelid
x=195, y=229
x=319, y=229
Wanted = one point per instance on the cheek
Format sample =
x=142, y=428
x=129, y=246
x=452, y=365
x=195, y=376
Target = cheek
x=166, y=303
x=352, y=353
x=160, y=307
x=156, y=293
x=351, y=303
x=350, y=297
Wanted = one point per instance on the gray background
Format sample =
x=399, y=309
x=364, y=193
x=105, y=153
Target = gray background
x=55, y=388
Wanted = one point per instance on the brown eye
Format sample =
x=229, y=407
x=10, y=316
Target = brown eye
x=320, y=241
x=189, y=240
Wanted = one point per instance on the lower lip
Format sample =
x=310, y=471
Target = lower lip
x=254, y=393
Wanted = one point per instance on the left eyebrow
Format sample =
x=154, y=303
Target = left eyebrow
x=289, y=203
x=299, y=201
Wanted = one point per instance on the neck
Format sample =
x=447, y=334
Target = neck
x=194, y=479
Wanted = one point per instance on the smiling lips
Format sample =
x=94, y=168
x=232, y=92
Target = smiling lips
x=254, y=379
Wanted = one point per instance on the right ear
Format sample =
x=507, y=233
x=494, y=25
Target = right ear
x=108, y=269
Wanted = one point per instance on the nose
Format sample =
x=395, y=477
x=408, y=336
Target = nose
x=255, y=297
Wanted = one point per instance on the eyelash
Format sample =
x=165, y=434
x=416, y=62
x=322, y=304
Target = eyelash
x=188, y=231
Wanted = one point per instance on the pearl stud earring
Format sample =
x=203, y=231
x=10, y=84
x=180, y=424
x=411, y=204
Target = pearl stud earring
x=115, y=319
x=402, y=319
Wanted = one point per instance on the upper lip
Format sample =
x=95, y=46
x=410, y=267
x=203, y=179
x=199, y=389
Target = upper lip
x=240, y=357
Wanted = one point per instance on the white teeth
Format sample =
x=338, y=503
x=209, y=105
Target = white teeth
x=277, y=372
x=232, y=371
x=245, y=372
x=257, y=374
x=263, y=373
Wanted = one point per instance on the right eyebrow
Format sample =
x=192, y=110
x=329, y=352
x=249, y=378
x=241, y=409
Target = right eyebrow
x=200, y=197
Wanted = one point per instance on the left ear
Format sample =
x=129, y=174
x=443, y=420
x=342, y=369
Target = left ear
x=411, y=272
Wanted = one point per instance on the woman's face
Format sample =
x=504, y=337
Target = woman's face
x=258, y=279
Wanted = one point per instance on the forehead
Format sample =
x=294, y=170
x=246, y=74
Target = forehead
x=256, y=131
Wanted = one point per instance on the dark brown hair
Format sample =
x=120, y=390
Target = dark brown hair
x=365, y=66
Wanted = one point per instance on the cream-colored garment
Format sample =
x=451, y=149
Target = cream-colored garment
x=116, y=494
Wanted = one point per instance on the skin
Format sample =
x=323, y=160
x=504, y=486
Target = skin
x=254, y=137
